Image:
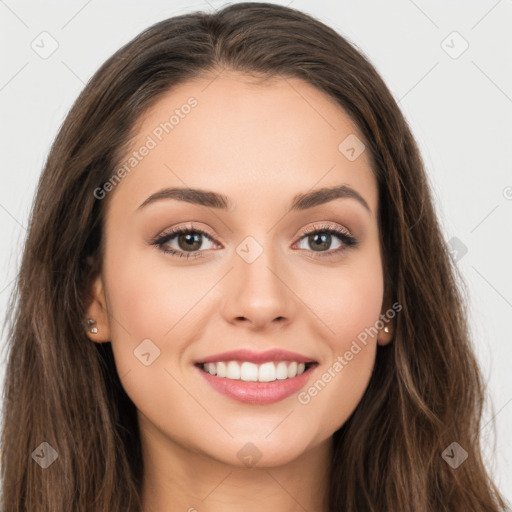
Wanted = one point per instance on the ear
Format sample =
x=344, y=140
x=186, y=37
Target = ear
x=97, y=311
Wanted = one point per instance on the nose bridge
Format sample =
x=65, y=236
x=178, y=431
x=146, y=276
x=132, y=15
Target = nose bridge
x=259, y=292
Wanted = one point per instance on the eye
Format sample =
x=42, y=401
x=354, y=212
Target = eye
x=321, y=237
x=188, y=240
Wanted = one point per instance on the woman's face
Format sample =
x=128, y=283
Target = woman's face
x=259, y=280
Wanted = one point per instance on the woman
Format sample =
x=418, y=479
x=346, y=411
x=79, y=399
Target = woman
x=235, y=292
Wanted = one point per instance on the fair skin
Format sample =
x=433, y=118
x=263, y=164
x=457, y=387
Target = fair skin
x=259, y=145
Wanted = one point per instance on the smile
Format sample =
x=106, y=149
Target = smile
x=257, y=378
x=251, y=372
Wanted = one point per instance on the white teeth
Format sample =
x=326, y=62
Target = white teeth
x=281, y=370
x=221, y=369
x=250, y=372
x=292, y=369
x=267, y=372
x=233, y=371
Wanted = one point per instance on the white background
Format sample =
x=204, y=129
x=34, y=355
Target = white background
x=460, y=110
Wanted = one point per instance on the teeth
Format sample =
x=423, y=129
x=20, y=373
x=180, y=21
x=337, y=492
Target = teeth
x=281, y=370
x=267, y=372
x=221, y=369
x=233, y=371
x=250, y=372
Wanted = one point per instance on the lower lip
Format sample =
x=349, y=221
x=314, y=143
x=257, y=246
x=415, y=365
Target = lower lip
x=258, y=392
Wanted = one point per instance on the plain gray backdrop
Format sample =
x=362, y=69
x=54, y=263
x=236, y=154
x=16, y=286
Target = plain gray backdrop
x=448, y=64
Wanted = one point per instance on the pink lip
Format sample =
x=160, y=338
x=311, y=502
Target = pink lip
x=257, y=392
x=257, y=357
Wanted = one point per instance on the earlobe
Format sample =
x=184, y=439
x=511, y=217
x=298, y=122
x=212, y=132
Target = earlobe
x=387, y=331
x=96, y=323
x=385, y=335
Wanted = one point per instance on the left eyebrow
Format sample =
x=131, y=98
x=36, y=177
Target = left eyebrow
x=326, y=194
x=212, y=199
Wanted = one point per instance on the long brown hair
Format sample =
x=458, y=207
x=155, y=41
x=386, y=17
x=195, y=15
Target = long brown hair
x=426, y=391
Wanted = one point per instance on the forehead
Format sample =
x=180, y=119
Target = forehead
x=233, y=132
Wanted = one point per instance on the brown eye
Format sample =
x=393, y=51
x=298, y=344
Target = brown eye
x=320, y=240
x=186, y=242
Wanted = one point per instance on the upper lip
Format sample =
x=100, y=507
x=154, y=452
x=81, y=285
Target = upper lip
x=257, y=357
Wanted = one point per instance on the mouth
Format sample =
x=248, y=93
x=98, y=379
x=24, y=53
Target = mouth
x=257, y=378
x=250, y=366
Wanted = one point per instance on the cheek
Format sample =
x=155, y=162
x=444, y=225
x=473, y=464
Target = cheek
x=340, y=383
x=147, y=296
x=356, y=308
x=151, y=300
x=349, y=302
x=346, y=300
x=149, y=304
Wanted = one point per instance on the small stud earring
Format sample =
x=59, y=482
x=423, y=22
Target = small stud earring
x=90, y=322
x=386, y=329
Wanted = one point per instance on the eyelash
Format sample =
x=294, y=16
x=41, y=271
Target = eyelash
x=347, y=240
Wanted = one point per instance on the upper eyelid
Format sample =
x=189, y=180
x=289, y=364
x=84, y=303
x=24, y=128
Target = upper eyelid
x=326, y=227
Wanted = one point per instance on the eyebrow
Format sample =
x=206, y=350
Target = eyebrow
x=211, y=199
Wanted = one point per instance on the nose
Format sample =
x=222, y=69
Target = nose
x=257, y=293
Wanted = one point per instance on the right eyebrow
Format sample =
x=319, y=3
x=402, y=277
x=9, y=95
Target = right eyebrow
x=190, y=195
